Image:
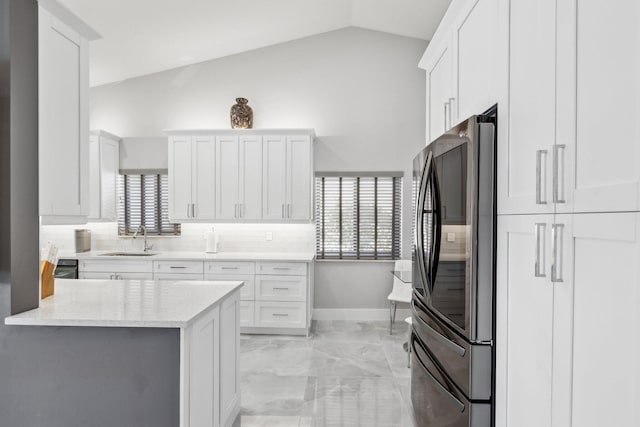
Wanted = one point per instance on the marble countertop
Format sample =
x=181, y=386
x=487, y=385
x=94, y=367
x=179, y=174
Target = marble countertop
x=198, y=256
x=126, y=303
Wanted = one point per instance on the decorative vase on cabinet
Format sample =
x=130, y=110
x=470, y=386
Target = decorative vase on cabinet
x=241, y=115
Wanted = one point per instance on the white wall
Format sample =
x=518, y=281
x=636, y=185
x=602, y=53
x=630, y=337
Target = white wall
x=360, y=90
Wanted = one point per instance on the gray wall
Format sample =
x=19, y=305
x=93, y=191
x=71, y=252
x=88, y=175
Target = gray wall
x=360, y=90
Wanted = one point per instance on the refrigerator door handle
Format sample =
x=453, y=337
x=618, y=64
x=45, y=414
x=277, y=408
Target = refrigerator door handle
x=436, y=231
x=440, y=387
x=419, y=235
x=460, y=351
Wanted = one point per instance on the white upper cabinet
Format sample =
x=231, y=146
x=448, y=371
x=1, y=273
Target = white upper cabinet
x=239, y=177
x=191, y=178
x=274, y=177
x=460, y=65
x=475, y=37
x=287, y=177
x=63, y=85
x=104, y=149
x=598, y=98
x=299, y=178
x=438, y=63
x=527, y=125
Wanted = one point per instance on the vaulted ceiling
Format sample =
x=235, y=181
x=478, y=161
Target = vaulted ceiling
x=146, y=36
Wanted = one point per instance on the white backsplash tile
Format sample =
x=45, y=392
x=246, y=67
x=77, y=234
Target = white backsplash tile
x=232, y=237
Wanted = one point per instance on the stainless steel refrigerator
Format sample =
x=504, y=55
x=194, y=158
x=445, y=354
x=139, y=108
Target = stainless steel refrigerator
x=452, y=344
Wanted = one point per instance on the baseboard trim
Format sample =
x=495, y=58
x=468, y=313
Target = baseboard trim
x=358, y=314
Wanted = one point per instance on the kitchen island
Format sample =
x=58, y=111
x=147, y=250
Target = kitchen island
x=199, y=320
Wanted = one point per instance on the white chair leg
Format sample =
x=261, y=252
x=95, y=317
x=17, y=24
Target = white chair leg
x=392, y=316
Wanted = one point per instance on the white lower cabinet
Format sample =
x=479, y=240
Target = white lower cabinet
x=247, y=313
x=560, y=360
x=210, y=375
x=280, y=314
x=115, y=269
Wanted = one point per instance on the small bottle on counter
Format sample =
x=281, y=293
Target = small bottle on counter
x=211, y=239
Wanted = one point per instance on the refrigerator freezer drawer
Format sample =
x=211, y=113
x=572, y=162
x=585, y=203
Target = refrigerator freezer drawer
x=436, y=400
x=468, y=365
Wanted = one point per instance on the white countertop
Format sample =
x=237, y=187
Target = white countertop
x=126, y=303
x=200, y=256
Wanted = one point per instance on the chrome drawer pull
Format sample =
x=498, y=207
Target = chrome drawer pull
x=281, y=268
x=540, y=187
x=175, y=266
x=280, y=289
x=540, y=262
x=229, y=268
x=280, y=315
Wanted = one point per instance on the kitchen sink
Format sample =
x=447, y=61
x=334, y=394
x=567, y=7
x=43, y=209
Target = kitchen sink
x=131, y=254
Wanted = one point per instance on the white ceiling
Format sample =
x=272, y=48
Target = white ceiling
x=146, y=36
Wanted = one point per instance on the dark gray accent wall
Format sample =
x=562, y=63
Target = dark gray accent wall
x=99, y=377
x=24, y=225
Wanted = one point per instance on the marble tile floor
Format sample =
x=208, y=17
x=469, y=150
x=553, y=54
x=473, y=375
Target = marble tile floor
x=344, y=374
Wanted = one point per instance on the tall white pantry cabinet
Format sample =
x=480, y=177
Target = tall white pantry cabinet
x=566, y=78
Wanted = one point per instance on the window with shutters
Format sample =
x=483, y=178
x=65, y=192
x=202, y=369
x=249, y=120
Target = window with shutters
x=359, y=216
x=144, y=200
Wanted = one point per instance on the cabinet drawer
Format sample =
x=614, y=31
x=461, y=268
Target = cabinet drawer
x=177, y=276
x=109, y=266
x=178, y=267
x=246, y=292
x=247, y=313
x=229, y=267
x=114, y=276
x=282, y=268
x=281, y=288
x=280, y=314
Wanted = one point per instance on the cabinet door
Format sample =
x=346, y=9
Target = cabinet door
x=524, y=330
x=439, y=70
x=598, y=106
x=227, y=186
x=109, y=164
x=94, y=178
x=229, y=396
x=274, y=177
x=250, y=195
x=63, y=68
x=299, y=178
x=527, y=118
x=203, y=178
x=180, y=177
x=605, y=306
x=475, y=38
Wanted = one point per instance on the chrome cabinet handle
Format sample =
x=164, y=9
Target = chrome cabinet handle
x=280, y=315
x=540, y=255
x=283, y=211
x=558, y=175
x=176, y=267
x=281, y=268
x=280, y=289
x=446, y=114
x=451, y=101
x=229, y=268
x=193, y=210
x=288, y=210
x=188, y=210
x=241, y=210
x=556, y=255
x=539, y=177
x=235, y=210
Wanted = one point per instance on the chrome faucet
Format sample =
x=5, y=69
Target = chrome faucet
x=145, y=247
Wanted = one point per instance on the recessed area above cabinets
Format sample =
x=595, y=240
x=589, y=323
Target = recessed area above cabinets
x=245, y=176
